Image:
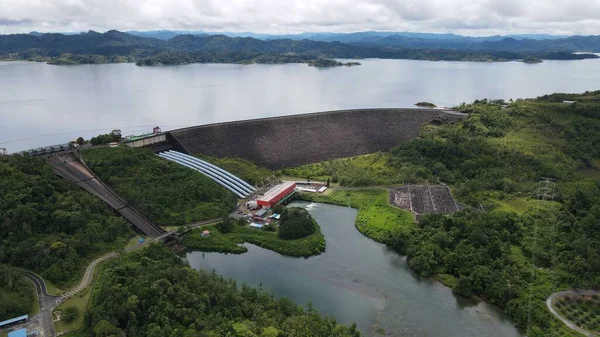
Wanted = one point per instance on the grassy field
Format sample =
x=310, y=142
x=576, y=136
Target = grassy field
x=134, y=240
x=313, y=244
x=581, y=310
x=376, y=218
x=364, y=170
x=82, y=302
x=447, y=280
x=521, y=205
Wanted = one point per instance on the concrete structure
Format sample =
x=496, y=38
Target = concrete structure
x=261, y=212
x=145, y=140
x=276, y=194
x=288, y=141
x=234, y=184
x=14, y=320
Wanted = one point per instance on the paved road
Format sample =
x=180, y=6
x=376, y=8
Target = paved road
x=47, y=303
x=70, y=168
x=570, y=324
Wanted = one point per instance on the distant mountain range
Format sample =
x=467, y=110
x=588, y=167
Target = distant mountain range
x=169, y=47
x=343, y=37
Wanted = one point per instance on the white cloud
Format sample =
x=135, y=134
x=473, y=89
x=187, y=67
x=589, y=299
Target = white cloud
x=471, y=17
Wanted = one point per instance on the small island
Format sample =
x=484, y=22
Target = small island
x=426, y=105
x=532, y=59
x=324, y=63
x=295, y=233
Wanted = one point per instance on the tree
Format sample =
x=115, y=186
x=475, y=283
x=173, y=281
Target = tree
x=70, y=314
x=106, y=329
x=296, y=223
x=80, y=141
x=226, y=226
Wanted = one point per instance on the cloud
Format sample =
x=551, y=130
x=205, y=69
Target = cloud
x=471, y=17
x=9, y=22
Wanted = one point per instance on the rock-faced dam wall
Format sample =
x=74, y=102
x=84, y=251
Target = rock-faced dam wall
x=287, y=141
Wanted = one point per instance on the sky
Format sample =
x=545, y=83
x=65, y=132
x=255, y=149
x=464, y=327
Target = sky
x=466, y=17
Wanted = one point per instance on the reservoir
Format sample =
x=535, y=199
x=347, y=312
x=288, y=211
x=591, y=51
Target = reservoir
x=359, y=280
x=44, y=104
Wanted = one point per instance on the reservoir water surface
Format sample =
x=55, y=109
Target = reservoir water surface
x=44, y=104
x=359, y=280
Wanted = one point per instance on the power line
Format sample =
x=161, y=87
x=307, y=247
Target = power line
x=544, y=192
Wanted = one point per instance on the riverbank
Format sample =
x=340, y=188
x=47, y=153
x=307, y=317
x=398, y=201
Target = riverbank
x=311, y=245
x=376, y=218
x=359, y=280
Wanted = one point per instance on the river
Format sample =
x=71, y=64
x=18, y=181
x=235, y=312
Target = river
x=43, y=104
x=359, y=280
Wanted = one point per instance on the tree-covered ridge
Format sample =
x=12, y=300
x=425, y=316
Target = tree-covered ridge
x=165, y=192
x=500, y=153
x=115, y=46
x=49, y=225
x=155, y=293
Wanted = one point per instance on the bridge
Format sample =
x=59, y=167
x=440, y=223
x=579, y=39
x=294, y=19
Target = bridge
x=71, y=168
x=234, y=184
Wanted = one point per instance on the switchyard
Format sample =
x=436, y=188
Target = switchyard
x=424, y=199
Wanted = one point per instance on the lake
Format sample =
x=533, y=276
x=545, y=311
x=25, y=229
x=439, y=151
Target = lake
x=43, y=104
x=359, y=280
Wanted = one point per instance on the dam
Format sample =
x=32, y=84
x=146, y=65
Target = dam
x=280, y=142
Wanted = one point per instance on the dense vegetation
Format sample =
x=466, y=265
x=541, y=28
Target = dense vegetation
x=241, y=57
x=49, y=225
x=16, y=293
x=154, y=293
x=296, y=223
x=105, y=138
x=324, y=63
x=115, y=46
x=581, y=310
x=266, y=237
x=494, y=160
x=165, y=192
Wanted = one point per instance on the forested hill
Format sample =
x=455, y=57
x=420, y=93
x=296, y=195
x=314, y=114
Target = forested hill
x=156, y=294
x=115, y=46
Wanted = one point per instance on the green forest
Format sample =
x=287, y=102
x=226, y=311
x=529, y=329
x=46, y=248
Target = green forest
x=507, y=247
x=49, y=226
x=17, y=293
x=166, y=193
x=155, y=293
